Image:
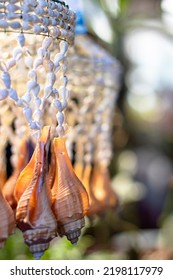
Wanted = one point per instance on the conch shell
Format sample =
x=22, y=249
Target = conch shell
x=94, y=205
x=7, y=221
x=33, y=214
x=8, y=188
x=3, y=174
x=70, y=199
x=101, y=190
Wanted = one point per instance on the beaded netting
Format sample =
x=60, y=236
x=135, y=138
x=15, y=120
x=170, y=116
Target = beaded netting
x=35, y=35
x=36, y=75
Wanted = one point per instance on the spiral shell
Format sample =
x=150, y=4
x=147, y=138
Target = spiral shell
x=70, y=199
x=7, y=221
x=8, y=188
x=3, y=173
x=33, y=215
x=101, y=190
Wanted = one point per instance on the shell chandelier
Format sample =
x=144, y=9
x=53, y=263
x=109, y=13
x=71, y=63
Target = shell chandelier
x=43, y=197
x=60, y=145
x=94, y=83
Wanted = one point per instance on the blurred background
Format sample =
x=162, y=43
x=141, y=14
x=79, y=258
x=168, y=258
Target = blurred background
x=140, y=35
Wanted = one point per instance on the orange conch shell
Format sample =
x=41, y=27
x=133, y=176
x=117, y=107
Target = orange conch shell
x=86, y=180
x=33, y=214
x=3, y=174
x=7, y=221
x=8, y=188
x=70, y=199
x=78, y=169
x=101, y=190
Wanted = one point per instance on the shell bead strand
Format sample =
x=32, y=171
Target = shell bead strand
x=33, y=73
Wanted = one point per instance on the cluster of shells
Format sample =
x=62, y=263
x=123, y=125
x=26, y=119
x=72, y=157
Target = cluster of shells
x=45, y=195
x=94, y=83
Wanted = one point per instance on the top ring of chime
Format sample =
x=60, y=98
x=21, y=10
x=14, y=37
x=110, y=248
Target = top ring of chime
x=41, y=17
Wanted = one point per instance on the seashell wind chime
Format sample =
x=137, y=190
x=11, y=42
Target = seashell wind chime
x=43, y=197
x=95, y=74
x=59, y=172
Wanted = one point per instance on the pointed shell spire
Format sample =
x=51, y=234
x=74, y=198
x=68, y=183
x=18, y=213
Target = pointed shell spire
x=8, y=188
x=70, y=199
x=33, y=215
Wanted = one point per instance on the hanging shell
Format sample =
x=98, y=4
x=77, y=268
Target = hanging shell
x=94, y=205
x=34, y=215
x=7, y=221
x=78, y=169
x=70, y=199
x=3, y=173
x=8, y=188
x=101, y=189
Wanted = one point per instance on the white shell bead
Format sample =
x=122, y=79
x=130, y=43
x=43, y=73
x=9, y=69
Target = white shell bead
x=64, y=103
x=51, y=78
x=15, y=24
x=3, y=23
x=55, y=32
x=55, y=92
x=45, y=21
x=37, y=115
x=41, y=52
x=47, y=42
x=38, y=62
x=17, y=53
x=37, y=29
x=36, y=90
x=60, y=130
x=37, y=102
x=3, y=93
x=31, y=84
x=12, y=16
x=32, y=75
x=60, y=118
x=63, y=47
x=47, y=91
x=20, y=102
x=34, y=125
x=27, y=113
x=27, y=97
x=43, y=3
x=12, y=8
x=53, y=22
x=39, y=11
x=13, y=94
x=58, y=105
x=32, y=2
x=29, y=61
x=21, y=39
x=26, y=25
x=57, y=59
x=10, y=63
x=25, y=8
x=6, y=79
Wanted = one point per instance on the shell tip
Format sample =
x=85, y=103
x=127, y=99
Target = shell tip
x=38, y=255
